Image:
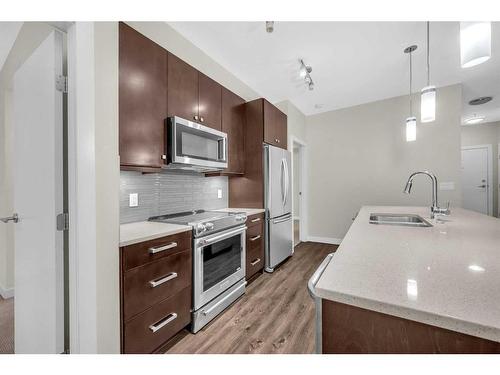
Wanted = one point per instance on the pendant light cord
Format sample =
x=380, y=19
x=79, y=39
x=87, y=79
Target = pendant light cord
x=411, y=107
x=428, y=64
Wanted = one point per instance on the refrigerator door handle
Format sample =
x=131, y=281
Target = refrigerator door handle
x=287, y=182
x=282, y=182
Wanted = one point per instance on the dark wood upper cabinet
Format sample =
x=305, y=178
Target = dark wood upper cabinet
x=275, y=125
x=233, y=123
x=142, y=100
x=209, y=104
x=182, y=89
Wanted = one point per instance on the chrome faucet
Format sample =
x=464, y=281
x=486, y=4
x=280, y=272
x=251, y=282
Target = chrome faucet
x=435, y=209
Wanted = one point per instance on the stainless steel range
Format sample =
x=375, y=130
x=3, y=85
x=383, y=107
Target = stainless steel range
x=218, y=260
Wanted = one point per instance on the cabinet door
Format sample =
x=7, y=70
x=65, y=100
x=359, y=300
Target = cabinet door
x=275, y=132
x=142, y=99
x=233, y=123
x=209, y=105
x=182, y=89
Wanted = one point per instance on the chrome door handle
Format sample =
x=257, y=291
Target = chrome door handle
x=162, y=280
x=282, y=220
x=255, y=238
x=154, y=250
x=162, y=323
x=255, y=262
x=14, y=218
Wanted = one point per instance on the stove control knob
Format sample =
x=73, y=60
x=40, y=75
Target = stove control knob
x=200, y=228
x=209, y=226
x=241, y=217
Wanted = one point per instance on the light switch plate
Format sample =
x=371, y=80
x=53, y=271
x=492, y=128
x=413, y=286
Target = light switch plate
x=219, y=193
x=447, y=185
x=133, y=200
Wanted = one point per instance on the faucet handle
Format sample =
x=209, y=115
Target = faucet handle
x=444, y=211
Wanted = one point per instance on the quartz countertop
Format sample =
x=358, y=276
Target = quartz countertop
x=248, y=211
x=141, y=231
x=447, y=275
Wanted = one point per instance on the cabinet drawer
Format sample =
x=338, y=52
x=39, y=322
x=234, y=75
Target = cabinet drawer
x=151, y=329
x=256, y=219
x=255, y=236
x=145, y=252
x=254, y=260
x=149, y=284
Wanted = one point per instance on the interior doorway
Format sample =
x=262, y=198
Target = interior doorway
x=32, y=315
x=298, y=191
x=477, y=178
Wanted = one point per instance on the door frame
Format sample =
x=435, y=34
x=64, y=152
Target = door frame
x=489, y=167
x=303, y=204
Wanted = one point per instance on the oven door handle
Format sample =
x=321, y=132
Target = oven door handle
x=208, y=241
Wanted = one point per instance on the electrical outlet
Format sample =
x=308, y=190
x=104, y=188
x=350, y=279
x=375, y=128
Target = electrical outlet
x=219, y=193
x=133, y=200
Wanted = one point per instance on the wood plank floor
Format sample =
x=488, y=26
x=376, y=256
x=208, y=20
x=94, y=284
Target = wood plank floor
x=276, y=315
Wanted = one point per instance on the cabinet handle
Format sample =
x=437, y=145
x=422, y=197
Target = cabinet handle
x=154, y=250
x=202, y=119
x=255, y=262
x=162, y=280
x=195, y=117
x=163, y=322
x=276, y=140
x=255, y=220
x=255, y=238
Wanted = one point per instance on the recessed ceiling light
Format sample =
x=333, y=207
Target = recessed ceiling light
x=269, y=26
x=474, y=120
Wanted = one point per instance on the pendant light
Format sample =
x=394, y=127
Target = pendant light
x=411, y=121
x=475, y=43
x=428, y=95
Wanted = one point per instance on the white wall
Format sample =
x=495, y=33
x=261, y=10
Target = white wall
x=485, y=134
x=359, y=156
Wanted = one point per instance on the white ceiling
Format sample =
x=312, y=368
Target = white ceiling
x=353, y=62
x=8, y=35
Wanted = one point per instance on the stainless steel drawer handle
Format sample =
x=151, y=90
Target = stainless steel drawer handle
x=162, y=323
x=164, y=279
x=255, y=220
x=154, y=250
x=255, y=238
x=255, y=262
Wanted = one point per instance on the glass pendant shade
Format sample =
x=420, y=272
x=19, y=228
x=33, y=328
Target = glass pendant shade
x=411, y=129
x=475, y=43
x=428, y=104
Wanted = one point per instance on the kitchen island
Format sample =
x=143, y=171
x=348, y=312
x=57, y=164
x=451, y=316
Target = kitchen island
x=401, y=289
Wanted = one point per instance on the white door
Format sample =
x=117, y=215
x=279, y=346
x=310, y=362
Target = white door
x=38, y=198
x=475, y=179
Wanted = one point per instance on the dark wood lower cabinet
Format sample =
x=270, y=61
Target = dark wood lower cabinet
x=254, y=245
x=349, y=329
x=155, y=292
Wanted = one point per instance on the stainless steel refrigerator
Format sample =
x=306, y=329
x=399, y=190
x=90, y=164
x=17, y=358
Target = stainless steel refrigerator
x=278, y=205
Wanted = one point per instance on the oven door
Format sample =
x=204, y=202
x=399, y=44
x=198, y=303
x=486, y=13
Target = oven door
x=193, y=145
x=219, y=262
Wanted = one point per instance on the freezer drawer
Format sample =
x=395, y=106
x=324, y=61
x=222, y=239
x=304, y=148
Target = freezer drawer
x=279, y=244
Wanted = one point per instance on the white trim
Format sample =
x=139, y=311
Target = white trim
x=296, y=218
x=327, y=240
x=489, y=149
x=82, y=189
x=303, y=209
x=498, y=181
x=6, y=293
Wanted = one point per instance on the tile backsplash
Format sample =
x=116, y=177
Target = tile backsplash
x=169, y=192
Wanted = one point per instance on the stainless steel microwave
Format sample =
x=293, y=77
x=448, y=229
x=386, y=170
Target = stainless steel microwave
x=191, y=146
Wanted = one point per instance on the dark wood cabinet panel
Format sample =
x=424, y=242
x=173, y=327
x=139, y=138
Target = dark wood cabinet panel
x=210, y=102
x=182, y=91
x=275, y=125
x=350, y=329
x=233, y=124
x=254, y=245
x=142, y=99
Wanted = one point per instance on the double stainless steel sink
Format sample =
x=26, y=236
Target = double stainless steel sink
x=409, y=220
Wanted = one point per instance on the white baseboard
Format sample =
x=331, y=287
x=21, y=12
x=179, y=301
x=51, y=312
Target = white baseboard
x=328, y=240
x=6, y=292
